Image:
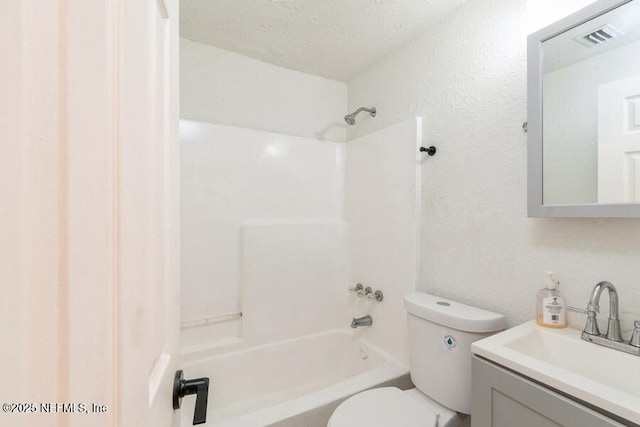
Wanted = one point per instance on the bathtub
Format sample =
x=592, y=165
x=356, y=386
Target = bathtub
x=296, y=382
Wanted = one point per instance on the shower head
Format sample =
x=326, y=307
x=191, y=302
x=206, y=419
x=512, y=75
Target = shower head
x=351, y=118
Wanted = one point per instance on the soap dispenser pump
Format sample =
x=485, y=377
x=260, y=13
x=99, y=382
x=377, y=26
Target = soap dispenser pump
x=551, y=308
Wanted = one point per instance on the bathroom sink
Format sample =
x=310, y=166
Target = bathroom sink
x=559, y=358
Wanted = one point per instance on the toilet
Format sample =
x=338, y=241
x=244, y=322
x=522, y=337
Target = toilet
x=440, y=335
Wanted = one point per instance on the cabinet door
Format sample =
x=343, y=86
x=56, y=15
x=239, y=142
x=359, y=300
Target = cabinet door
x=504, y=399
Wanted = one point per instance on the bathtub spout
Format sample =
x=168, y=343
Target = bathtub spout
x=361, y=321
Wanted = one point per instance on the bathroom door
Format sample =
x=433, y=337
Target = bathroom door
x=619, y=141
x=147, y=299
x=89, y=211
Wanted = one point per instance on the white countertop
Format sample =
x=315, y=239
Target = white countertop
x=606, y=378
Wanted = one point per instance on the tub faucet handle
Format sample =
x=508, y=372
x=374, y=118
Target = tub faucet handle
x=635, y=337
x=375, y=296
x=354, y=288
x=358, y=289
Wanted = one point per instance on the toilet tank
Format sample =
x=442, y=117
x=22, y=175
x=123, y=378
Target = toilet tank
x=440, y=335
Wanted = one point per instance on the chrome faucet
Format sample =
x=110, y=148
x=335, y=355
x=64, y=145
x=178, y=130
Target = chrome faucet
x=613, y=337
x=361, y=321
x=613, y=326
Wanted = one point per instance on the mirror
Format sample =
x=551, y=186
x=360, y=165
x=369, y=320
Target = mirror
x=584, y=114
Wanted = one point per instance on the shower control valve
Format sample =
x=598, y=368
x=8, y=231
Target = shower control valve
x=368, y=292
x=358, y=289
x=375, y=296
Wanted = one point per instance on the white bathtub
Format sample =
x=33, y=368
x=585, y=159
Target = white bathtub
x=290, y=383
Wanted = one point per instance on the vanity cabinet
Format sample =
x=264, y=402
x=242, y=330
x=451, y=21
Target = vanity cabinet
x=502, y=398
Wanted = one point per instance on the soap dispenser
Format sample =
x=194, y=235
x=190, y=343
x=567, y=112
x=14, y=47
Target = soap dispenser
x=551, y=309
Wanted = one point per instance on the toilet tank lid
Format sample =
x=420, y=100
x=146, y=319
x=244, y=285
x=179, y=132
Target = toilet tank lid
x=453, y=314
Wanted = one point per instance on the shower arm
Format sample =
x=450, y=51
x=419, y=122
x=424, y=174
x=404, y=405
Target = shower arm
x=371, y=111
x=351, y=118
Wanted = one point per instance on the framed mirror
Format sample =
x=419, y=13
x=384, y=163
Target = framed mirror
x=584, y=114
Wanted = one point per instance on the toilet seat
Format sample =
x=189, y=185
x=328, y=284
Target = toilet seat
x=382, y=407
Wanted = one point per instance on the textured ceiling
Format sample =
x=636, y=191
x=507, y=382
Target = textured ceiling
x=331, y=38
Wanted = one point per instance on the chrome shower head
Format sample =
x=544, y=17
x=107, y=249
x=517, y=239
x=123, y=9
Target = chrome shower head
x=351, y=118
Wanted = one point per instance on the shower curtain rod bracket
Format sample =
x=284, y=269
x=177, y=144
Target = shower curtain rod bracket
x=429, y=150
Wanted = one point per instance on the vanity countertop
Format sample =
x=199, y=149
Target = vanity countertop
x=606, y=378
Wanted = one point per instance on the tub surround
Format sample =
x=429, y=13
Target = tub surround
x=293, y=277
x=381, y=206
x=295, y=222
x=257, y=207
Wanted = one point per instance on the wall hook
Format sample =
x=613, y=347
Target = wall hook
x=429, y=150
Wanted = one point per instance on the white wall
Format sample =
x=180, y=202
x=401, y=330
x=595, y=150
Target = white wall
x=467, y=79
x=230, y=178
x=541, y=13
x=223, y=87
x=294, y=278
x=381, y=203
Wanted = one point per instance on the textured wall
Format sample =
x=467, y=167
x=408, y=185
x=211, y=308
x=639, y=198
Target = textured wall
x=467, y=78
x=222, y=87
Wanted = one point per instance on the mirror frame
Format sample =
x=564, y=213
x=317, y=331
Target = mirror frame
x=535, y=206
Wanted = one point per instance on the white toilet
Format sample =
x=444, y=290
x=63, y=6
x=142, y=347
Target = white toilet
x=440, y=335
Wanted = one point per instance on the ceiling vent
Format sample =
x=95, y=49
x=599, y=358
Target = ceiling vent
x=598, y=36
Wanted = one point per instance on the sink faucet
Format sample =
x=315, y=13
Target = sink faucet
x=361, y=321
x=613, y=326
x=613, y=338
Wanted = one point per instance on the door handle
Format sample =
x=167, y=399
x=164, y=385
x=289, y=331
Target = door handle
x=199, y=387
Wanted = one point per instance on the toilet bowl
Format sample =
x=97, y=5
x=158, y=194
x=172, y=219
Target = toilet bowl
x=440, y=335
x=390, y=406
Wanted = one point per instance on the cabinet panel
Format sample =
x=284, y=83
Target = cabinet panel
x=504, y=399
x=506, y=411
